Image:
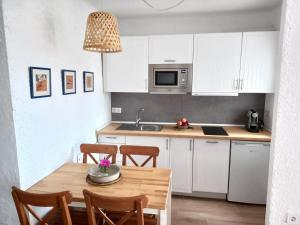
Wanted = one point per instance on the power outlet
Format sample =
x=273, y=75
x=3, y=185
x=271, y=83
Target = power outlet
x=293, y=219
x=116, y=110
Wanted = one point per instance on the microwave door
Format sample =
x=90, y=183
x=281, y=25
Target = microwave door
x=166, y=78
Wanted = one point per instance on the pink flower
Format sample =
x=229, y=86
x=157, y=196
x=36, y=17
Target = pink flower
x=104, y=163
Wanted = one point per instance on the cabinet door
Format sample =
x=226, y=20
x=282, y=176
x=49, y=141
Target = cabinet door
x=110, y=140
x=127, y=71
x=161, y=142
x=170, y=49
x=181, y=152
x=211, y=165
x=249, y=172
x=216, y=64
x=258, y=64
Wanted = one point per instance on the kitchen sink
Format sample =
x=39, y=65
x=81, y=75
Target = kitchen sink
x=151, y=127
x=141, y=127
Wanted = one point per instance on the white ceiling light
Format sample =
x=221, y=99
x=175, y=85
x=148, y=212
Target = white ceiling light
x=163, y=9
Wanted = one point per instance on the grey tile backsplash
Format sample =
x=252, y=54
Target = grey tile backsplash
x=198, y=109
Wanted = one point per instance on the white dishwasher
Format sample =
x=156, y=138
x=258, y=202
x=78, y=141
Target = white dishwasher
x=249, y=164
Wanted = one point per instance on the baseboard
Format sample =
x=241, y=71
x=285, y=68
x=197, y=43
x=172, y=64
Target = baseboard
x=203, y=195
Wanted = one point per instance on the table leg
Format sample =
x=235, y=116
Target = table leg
x=162, y=217
x=165, y=215
x=169, y=208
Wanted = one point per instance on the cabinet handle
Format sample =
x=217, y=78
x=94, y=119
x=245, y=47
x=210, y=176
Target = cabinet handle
x=236, y=84
x=253, y=151
x=242, y=83
x=167, y=144
x=212, y=142
x=169, y=60
x=191, y=143
x=111, y=137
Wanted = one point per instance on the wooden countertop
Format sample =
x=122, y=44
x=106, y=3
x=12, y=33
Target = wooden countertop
x=153, y=182
x=234, y=133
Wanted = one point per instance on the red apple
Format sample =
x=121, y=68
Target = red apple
x=184, y=121
x=179, y=123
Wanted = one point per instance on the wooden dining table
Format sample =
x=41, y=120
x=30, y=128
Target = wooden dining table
x=155, y=183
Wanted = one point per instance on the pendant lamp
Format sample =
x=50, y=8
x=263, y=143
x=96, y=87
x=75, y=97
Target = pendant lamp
x=102, y=33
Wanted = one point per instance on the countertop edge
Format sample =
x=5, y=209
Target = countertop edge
x=265, y=136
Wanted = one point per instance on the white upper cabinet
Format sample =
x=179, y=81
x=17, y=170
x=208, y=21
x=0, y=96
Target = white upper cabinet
x=216, y=64
x=171, y=49
x=258, y=64
x=127, y=71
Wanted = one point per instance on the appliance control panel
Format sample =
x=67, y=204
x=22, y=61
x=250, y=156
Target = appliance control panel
x=183, y=77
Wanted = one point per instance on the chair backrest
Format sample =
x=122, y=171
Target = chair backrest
x=131, y=206
x=129, y=150
x=59, y=201
x=109, y=150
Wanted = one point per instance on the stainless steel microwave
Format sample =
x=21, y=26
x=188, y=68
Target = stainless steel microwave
x=170, y=78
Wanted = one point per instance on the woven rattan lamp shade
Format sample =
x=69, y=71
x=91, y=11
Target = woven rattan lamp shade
x=102, y=33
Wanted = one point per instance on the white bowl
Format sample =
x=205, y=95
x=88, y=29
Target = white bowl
x=113, y=173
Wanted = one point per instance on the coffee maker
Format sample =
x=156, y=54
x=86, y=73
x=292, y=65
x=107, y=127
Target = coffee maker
x=254, y=124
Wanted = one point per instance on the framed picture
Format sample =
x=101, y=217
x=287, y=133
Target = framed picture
x=88, y=81
x=68, y=78
x=40, y=82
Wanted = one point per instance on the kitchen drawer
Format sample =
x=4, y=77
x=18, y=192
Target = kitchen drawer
x=111, y=139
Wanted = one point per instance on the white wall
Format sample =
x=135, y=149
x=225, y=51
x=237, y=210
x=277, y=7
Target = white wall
x=213, y=22
x=8, y=161
x=50, y=34
x=284, y=178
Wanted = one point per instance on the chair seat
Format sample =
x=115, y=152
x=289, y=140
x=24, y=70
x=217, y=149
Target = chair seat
x=78, y=215
x=149, y=219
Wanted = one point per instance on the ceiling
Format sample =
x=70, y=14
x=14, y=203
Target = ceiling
x=131, y=8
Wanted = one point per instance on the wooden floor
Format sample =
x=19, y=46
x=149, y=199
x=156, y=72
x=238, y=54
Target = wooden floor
x=197, y=211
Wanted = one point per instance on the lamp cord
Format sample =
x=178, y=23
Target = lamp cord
x=163, y=9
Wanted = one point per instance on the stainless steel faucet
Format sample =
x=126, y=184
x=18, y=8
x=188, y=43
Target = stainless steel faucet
x=138, y=116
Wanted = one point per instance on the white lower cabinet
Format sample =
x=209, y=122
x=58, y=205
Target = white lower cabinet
x=198, y=165
x=181, y=157
x=161, y=142
x=111, y=140
x=211, y=165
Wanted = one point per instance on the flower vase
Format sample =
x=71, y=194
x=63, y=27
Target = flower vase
x=103, y=171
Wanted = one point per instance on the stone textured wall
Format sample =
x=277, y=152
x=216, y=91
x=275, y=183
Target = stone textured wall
x=284, y=179
x=198, y=109
x=8, y=161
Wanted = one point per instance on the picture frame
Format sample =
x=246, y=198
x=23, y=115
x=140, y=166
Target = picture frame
x=40, y=82
x=68, y=78
x=88, y=81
